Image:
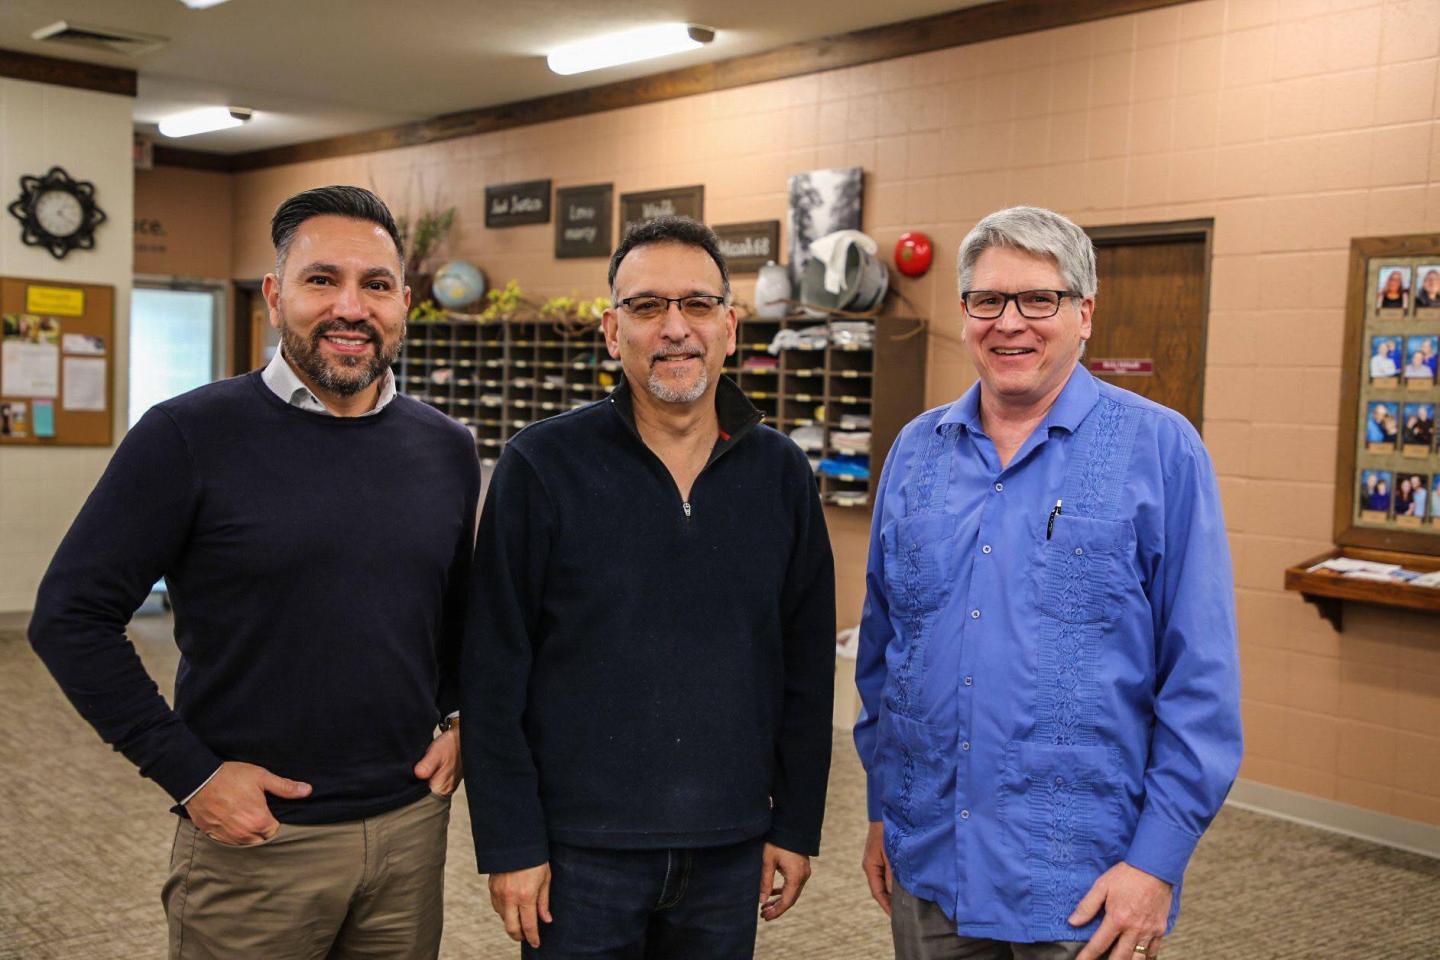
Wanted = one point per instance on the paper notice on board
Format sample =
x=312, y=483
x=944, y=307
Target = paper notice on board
x=84, y=384
x=29, y=369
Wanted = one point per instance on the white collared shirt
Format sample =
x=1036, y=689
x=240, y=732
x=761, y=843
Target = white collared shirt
x=286, y=384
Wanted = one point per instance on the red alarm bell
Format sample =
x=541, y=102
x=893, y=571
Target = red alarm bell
x=913, y=253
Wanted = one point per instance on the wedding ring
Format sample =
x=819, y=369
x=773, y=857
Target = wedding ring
x=1142, y=947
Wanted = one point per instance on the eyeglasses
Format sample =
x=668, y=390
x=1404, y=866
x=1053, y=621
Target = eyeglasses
x=651, y=308
x=1032, y=304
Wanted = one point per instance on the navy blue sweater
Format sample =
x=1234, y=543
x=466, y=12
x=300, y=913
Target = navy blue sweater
x=317, y=567
x=642, y=672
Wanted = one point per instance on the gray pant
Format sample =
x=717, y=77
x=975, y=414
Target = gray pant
x=923, y=932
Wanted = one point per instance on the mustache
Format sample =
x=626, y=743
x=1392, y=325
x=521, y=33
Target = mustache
x=345, y=326
x=675, y=351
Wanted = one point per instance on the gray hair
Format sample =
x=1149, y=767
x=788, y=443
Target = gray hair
x=1035, y=230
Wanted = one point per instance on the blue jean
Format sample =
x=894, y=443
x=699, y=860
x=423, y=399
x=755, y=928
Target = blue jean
x=699, y=904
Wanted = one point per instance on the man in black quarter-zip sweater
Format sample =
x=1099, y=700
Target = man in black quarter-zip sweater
x=315, y=530
x=648, y=668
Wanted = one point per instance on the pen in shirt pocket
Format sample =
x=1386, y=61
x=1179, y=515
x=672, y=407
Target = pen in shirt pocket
x=1050, y=524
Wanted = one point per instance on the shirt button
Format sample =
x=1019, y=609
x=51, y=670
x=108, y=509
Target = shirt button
x=969, y=681
x=974, y=614
x=964, y=814
x=985, y=549
x=999, y=487
x=965, y=745
x=1059, y=781
x=1079, y=552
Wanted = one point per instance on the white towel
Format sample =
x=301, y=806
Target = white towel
x=833, y=248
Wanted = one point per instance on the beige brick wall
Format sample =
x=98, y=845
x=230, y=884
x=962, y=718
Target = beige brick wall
x=1296, y=125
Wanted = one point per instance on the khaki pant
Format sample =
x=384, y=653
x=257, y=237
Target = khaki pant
x=360, y=889
x=923, y=932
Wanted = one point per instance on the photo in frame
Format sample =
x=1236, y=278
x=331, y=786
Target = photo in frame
x=1422, y=352
x=1427, y=291
x=1417, y=433
x=1382, y=426
x=1386, y=355
x=1392, y=290
x=1375, y=495
x=821, y=202
x=1412, y=497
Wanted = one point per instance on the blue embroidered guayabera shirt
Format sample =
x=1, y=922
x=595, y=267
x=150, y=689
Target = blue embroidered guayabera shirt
x=1038, y=708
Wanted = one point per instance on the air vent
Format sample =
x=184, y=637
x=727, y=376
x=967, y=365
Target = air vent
x=93, y=37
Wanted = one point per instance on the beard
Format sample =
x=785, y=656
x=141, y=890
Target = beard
x=663, y=390
x=343, y=376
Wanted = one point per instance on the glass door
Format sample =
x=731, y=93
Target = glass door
x=175, y=334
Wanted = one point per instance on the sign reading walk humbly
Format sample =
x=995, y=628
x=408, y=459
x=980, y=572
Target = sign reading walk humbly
x=582, y=221
x=676, y=201
x=514, y=204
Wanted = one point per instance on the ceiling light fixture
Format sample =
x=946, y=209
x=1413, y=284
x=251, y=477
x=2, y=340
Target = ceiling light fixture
x=627, y=46
x=201, y=4
x=204, y=120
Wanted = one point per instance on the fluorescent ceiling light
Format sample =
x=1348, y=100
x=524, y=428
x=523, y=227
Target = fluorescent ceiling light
x=201, y=4
x=203, y=120
x=627, y=46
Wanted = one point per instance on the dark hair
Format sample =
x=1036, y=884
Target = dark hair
x=672, y=229
x=354, y=202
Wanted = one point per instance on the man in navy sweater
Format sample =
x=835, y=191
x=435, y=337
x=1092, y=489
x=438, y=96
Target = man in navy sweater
x=649, y=659
x=315, y=530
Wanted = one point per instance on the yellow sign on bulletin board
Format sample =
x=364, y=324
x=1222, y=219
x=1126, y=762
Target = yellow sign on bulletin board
x=56, y=301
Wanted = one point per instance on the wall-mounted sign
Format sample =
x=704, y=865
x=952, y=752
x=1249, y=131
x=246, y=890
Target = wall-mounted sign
x=1122, y=368
x=582, y=221
x=748, y=246
x=674, y=202
x=514, y=204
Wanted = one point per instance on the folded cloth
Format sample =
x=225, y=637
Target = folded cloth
x=810, y=439
x=759, y=362
x=855, y=421
x=806, y=338
x=853, y=441
x=833, y=248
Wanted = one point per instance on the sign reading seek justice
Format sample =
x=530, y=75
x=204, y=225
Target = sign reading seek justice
x=514, y=204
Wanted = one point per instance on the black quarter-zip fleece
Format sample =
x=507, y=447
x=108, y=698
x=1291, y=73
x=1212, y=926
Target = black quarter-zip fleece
x=641, y=670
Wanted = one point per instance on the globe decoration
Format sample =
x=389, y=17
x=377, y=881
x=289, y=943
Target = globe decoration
x=458, y=283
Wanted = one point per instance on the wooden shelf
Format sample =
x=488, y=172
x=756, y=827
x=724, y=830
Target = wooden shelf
x=501, y=369
x=1328, y=590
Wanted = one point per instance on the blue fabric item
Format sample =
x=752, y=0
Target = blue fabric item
x=1037, y=709
x=1373, y=433
x=852, y=466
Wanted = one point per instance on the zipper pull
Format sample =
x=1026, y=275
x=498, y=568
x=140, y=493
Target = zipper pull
x=686, y=506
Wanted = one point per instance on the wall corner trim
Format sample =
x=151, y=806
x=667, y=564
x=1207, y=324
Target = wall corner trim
x=1411, y=836
x=15, y=65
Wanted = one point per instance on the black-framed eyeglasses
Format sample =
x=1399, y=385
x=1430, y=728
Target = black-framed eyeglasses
x=650, y=308
x=1032, y=304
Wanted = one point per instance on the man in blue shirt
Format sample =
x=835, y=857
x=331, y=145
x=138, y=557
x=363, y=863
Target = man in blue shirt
x=1048, y=660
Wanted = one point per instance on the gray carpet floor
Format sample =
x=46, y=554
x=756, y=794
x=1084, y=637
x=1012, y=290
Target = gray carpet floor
x=84, y=844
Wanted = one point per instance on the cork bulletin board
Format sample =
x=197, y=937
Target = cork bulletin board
x=57, y=363
x=1388, y=464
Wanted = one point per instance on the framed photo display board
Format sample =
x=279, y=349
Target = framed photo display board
x=1388, y=467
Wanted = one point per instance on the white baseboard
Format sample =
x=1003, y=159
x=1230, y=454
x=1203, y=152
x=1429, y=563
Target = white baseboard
x=1382, y=828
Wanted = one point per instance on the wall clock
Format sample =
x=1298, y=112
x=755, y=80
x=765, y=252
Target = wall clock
x=57, y=212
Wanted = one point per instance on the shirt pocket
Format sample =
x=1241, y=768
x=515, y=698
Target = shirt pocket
x=915, y=765
x=920, y=562
x=1060, y=808
x=1080, y=569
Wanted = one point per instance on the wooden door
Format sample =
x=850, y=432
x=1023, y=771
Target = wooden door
x=1149, y=326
